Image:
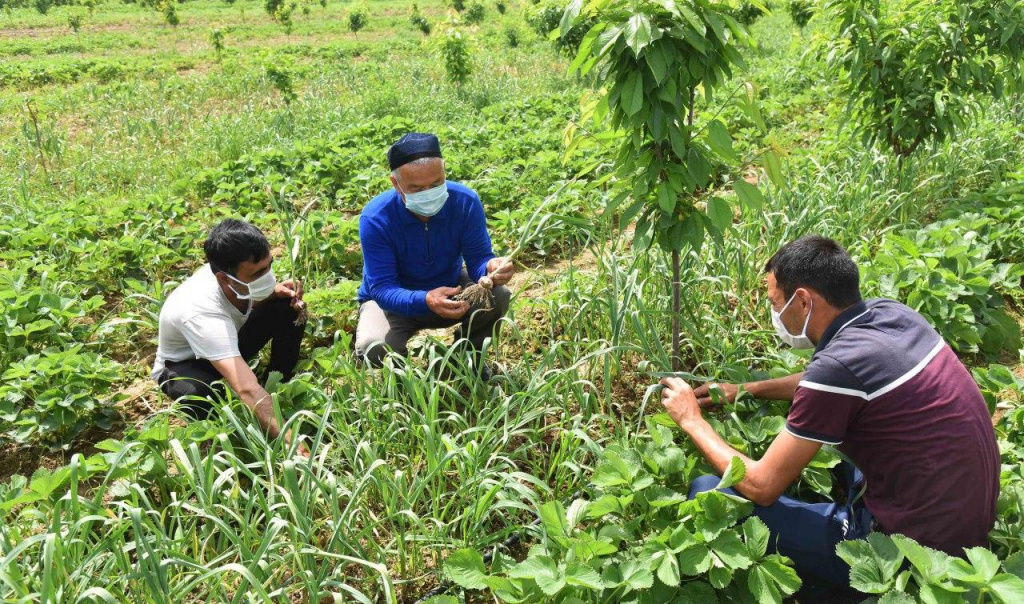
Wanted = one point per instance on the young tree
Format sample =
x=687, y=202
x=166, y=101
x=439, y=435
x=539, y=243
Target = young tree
x=914, y=70
x=357, y=19
x=650, y=59
x=455, y=53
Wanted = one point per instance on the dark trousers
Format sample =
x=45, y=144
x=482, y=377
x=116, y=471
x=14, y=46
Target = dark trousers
x=379, y=331
x=272, y=322
x=808, y=533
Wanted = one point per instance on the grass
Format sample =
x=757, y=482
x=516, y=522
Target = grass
x=104, y=195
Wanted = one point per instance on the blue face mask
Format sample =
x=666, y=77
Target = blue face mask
x=429, y=202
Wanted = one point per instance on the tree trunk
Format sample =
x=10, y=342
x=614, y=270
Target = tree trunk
x=676, y=360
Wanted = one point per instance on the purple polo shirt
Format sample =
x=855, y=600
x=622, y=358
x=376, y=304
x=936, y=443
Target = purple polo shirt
x=886, y=389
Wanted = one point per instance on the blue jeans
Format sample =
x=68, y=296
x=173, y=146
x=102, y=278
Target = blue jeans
x=808, y=533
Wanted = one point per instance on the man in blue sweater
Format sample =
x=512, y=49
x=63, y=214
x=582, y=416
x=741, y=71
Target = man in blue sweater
x=423, y=241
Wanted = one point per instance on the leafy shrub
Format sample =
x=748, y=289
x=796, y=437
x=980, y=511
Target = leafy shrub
x=458, y=5
x=748, y=12
x=75, y=22
x=944, y=271
x=801, y=11
x=512, y=37
x=419, y=21
x=914, y=71
x=636, y=537
x=357, y=19
x=43, y=6
x=474, y=14
x=51, y=396
x=280, y=77
x=501, y=7
x=455, y=54
x=217, y=41
x=169, y=9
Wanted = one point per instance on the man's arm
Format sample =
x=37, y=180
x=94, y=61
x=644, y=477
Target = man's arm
x=778, y=389
x=380, y=268
x=767, y=478
x=243, y=381
x=476, y=242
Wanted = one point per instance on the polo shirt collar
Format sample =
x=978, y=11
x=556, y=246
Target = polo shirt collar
x=845, y=318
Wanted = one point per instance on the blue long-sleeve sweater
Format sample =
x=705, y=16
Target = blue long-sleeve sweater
x=404, y=258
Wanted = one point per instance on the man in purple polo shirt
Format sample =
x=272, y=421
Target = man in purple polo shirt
x=886, y=391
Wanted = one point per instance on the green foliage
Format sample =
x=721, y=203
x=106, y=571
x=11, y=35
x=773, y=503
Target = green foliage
x=75, y=22
x=546, y=17
x=281, y=11
x=419, y=21
x=458, y=5
x=358, y=18
x=500, y=6
x=42, y=6
x=217, y=35
x=511, y=36
x=169, y=10
x=636, y=536
x=914, y=71
x=651, y=64
x=51, y=396
x=801, y=11
x=748, y=12
x=474, y=14
x=932, y=576
x=454, y=49
x=945, y=271
x=999, y=384
x=279, y=74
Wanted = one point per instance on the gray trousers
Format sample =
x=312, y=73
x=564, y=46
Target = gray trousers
x=379, y=331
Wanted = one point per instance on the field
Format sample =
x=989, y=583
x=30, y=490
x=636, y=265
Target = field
x=123, y=137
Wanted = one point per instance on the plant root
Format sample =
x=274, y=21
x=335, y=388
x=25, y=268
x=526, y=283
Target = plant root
x=479, y=294
x=303, y=313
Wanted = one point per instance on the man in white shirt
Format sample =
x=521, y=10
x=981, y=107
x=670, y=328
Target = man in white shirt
x=221, y=317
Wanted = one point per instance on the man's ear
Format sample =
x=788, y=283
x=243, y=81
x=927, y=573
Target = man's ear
x=805, y=295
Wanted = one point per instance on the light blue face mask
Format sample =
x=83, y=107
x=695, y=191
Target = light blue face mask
x=429, y=202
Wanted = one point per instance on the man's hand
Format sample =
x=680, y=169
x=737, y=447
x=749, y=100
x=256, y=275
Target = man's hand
x=703, y=393
x=680, y=402
x=439, y=303
x=302, y=450
x=288, y=290
x=500, y=270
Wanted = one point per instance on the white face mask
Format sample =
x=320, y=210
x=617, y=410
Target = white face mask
x=429, y=202
x=259, y=289
x=800, y=341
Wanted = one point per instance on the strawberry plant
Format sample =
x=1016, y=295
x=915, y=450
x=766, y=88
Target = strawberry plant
x=900, y=570
x=52, y=396
x=944, y=271
x=636, y=537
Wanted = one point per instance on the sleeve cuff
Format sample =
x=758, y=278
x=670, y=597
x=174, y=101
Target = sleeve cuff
x=817, y=437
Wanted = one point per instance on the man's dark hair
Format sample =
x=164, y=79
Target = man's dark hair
x=232, y=242
x=818, y=263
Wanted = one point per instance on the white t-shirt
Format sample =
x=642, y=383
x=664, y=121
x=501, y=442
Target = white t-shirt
x=198, y=322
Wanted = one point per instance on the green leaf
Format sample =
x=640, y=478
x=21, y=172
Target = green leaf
x=553, y=519
x=733, y=474
x=756, y=535
x=666, y=198
x=896, y=597
x=750, y=196
x=636, y=575
x=668, y=570
x=632, y=98
x=572, y=12
x=730, y=550
x=542, y=570
x=773, y=166
x=466, y=568
x=720, y=141
x=719, y=213
x=695, y=560
x=582, y=575
x=638, y=33
x=984, y=561
x=720, y=577
x=1007, y=588
x=784, y=576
